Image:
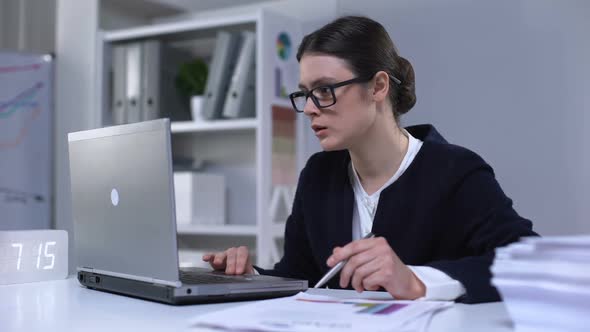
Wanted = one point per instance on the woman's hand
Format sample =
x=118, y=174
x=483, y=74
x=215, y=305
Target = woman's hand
x=373, y=264
x=232, y=261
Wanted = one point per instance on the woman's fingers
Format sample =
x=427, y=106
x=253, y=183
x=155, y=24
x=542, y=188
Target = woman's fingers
x=231, y=261
x=230, y=267
x=373, y=281
x=216, y=260
x=243, y=261
x=362, y=272
x=353, y=264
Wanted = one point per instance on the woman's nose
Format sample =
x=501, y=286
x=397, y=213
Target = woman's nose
x=310, y=108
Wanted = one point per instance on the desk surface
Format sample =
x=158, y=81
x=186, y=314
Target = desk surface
x=64, y=305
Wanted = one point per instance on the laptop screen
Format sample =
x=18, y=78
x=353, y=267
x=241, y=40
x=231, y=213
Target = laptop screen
x=123, y=202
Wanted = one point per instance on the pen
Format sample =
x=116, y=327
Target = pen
x=337, y=267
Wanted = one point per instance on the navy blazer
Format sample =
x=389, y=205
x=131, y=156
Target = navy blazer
x=446, y=211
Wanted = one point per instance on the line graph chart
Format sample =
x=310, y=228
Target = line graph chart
x=25, y=140
x=20, y=68
x=25, y=102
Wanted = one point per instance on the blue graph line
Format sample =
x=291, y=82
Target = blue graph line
x=23, y=101
x=21, y=105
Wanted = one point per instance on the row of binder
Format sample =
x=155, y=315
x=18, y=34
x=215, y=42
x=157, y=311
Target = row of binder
x=231, y=85
x=143, y=82
x=144, y=72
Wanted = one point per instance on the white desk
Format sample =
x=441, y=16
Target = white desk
x=65, y=306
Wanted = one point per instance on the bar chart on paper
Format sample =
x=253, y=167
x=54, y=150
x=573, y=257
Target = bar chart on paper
x=369, y=308
x=25, y=140
x=309, y=313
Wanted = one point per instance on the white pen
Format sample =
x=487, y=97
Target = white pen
x=336, y=268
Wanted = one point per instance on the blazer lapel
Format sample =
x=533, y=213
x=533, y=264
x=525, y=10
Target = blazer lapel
x=393, y=219
x=337, y=230
x=387, y=222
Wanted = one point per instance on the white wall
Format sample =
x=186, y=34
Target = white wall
x=27, y=25
x=112, y=18
x=116, y=14
x=510, y=80
x=311, y=13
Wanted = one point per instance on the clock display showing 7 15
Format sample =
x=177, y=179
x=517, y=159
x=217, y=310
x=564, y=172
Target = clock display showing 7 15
x=33, y=255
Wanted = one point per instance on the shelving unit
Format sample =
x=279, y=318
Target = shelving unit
x=217, y=125
x=236, y=230
x=240, y=149
x=277, y=229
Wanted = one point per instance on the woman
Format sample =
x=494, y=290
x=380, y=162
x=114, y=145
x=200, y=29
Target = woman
x=435, y=208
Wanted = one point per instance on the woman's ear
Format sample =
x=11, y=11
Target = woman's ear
x=380, y=86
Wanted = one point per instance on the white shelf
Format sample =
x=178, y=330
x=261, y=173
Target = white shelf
x=277, y=229
x=216, y=125
x=178, y=27
x=240, y=149
x=237, y=230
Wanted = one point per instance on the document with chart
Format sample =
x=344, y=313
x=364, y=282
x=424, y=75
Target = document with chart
x=306, y=312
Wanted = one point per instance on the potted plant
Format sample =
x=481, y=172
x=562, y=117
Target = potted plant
x=190, y=82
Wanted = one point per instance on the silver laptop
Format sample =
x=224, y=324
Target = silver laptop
x=125, y=225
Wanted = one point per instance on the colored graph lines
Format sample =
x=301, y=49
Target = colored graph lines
x=371, y=308
x=23, y=101
x=22, y=133
x=16, y=69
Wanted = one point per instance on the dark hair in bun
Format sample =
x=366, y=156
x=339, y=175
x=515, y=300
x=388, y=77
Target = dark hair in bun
x=367, y=48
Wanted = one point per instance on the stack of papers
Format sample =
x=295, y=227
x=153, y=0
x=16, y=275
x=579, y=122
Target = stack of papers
x=545, y=282
x=307, y=312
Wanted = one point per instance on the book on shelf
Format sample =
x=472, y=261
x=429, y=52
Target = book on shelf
x=222, y=66
x=143, y=85
x=133, y=57
x=240, y=99
x=150, y=98
x=119, y=84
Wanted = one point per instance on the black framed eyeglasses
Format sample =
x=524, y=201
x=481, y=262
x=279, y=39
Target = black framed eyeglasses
x=324, y=96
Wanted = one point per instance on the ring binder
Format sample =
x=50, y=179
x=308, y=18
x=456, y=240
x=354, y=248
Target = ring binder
x=222, y=66
x=240, y=98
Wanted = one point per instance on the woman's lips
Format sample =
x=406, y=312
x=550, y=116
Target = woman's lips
x=319, y=130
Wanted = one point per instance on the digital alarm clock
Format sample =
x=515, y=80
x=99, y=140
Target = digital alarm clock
x=33, y=255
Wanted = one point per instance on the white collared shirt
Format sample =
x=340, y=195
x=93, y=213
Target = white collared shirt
x=439, y=286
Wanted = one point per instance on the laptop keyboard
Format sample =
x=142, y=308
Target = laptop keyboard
x=191, y=277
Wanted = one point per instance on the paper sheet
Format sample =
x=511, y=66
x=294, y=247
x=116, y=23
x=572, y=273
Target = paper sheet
x=545, y=282
x=307, y=313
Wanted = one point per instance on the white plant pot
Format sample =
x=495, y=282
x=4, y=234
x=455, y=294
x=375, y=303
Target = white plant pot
x=196, y=108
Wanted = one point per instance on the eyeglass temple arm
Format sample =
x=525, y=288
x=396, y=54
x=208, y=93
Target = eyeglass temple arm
x=395, y=79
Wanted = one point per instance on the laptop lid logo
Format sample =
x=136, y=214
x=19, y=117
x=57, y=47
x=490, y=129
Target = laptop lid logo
x=115, y=197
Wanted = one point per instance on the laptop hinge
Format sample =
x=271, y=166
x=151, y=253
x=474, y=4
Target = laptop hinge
x=172, y=283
